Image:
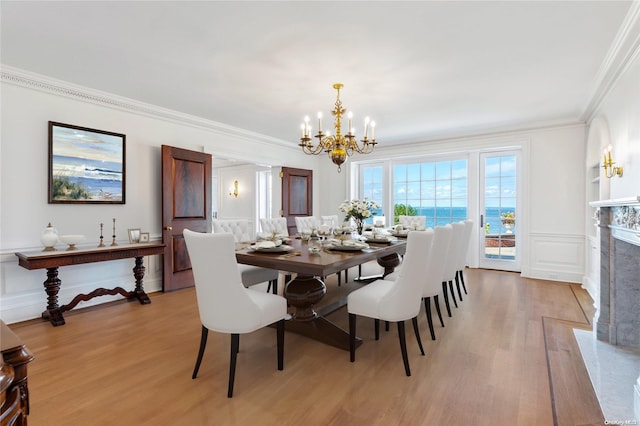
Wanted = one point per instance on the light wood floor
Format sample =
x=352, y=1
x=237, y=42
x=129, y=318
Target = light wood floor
x=507, y=357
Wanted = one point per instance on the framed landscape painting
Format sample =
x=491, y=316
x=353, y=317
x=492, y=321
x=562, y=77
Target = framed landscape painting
x=86, y=166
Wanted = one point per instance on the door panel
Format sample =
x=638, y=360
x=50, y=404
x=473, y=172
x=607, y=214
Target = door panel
x=297, y=195
x=186, y=204
x=499, y=195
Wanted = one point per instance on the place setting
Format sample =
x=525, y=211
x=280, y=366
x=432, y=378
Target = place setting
x=270, y=247
x=345, y=245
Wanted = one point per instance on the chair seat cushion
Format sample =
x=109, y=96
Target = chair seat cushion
x=366, y=300
x=252, y=275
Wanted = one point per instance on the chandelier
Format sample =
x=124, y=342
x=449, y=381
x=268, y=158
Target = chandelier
x=338, y=146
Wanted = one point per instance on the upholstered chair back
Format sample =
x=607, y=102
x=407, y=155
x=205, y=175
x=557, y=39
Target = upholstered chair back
x=239, y=228
x=453, y=256
x=276, y=225
x=412, y=221
x=307, y=223
x=331, y=220
x=437, y=260
x=403, y=301
x=223, y=302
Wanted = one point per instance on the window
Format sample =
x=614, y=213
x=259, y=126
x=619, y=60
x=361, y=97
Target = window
x=435, y=189
x=372, y=187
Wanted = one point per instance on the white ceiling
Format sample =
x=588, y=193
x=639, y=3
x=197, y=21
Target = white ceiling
x=421, y=69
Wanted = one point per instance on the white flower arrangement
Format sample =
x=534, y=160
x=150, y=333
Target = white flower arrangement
x=358, y=210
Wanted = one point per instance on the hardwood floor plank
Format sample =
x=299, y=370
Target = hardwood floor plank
x=506, y=357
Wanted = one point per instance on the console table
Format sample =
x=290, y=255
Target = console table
x=51, y=261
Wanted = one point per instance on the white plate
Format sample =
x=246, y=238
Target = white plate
x=278, y=249
x=338, y=247
x=400, y=234
x=379, y=240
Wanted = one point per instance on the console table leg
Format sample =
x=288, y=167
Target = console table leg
x=51, y=287
x=138, y=273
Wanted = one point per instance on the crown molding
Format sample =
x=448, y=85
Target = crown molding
x=624, y=50
x=29, y=80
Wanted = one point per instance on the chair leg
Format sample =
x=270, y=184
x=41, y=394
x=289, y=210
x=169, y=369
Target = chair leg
x=453, y=295
x=416, y=331
x=427, y=308
x=403, y=347
x=445, y=293
x=458, y=287
x=203, y=344
x=339, y=278
x=461, y=272
x=235, y=344
x=280, y=340
x=352, y=337
x=376, y=328
x=273, y=286
x=386, y=326
x=436, y=301
x=346, y=275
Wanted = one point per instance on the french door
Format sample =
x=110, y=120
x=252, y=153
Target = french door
x=498, y=202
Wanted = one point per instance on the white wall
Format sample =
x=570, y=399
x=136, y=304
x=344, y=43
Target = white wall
x=617, y=123
x=28, y=102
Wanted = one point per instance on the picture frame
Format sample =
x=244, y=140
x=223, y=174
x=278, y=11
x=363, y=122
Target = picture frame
x=86, y=166
x=134, y=235
x=144, y=237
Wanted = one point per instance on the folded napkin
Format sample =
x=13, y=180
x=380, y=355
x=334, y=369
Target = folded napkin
x=264, y=244
x=353, y=243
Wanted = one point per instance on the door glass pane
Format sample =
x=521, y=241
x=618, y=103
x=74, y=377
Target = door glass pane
x=500, y=207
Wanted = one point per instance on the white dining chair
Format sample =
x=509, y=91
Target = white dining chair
x=435, y=268
x=306, y=223
x=251, y=275
x=330, y=220
x=224, y=304
x=394, y=301
x=451, y=264
x=239, y=228
x=462, y=259
x=274, y=225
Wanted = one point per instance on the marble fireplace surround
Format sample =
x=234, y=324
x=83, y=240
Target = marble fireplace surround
x=617, y=320
x=618, y=316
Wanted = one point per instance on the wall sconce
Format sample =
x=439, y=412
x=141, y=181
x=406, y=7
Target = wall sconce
x=234, y=190
x=610, y=170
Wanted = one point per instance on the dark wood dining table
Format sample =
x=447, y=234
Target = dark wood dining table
x=307, y=288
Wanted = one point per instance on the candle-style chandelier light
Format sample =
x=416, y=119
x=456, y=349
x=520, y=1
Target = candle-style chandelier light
x=338, y=146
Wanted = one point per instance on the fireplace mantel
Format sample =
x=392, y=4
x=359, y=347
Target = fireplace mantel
x=626, y=201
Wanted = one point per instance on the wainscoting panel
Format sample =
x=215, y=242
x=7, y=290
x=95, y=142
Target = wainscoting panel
x=556, y=257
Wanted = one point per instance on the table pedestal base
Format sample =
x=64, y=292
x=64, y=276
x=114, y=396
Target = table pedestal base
x=303, y=293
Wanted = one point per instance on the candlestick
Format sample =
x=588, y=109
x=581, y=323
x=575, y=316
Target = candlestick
x=113, y=241
x=101, y=236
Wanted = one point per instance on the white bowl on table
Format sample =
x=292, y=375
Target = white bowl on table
x=71, y=240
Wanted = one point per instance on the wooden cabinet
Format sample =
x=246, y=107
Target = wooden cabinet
x=14, y=392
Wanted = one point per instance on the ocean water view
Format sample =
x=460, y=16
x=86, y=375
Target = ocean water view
x=440, y=216
x=101, y=179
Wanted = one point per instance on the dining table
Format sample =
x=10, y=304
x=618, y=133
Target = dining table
x=307, y=288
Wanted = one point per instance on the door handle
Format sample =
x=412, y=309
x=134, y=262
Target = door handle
x=481, y=221
x=168, y=228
